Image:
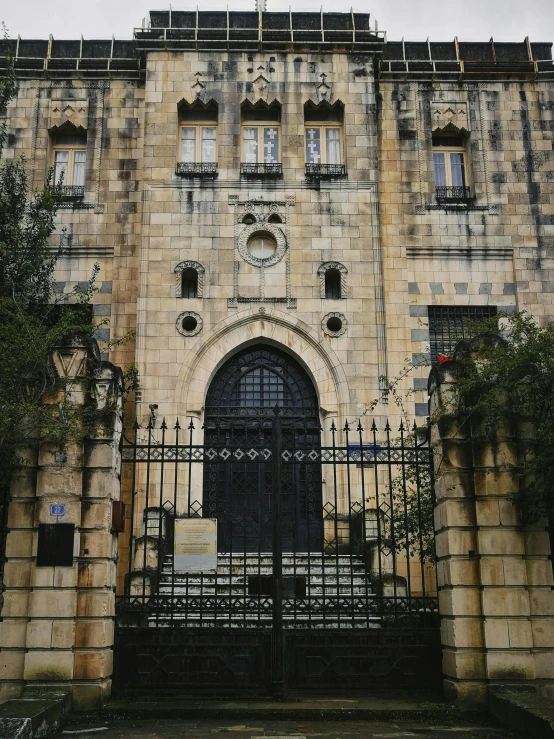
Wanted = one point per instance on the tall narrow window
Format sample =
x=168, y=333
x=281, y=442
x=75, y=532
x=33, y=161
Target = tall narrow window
x=189, y=283
x=198, y=139
x=261, y=154
x=323, y=136
x=450, y=168
x=332, y=284
x=69, y=159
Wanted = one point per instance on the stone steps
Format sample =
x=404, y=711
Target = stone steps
x=337, y=593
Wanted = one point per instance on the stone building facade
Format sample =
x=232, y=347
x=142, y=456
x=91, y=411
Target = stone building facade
x=374, y=211
x=294, y=182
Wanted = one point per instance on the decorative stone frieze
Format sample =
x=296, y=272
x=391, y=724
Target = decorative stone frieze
x=449, y=116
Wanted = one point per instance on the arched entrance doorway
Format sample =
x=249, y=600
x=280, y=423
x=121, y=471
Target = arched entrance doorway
x=240, y=406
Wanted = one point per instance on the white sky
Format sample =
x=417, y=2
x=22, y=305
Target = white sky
x=475, y=20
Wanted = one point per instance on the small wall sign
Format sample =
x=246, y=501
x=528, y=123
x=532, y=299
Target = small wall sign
x=57, y=509
x=195, y=544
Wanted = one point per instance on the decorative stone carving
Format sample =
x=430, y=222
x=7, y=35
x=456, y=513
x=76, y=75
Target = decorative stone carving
x=181, y=267
x=107, y=386
x=321, y=273
x=328, y=321
x=323, y=91
x=449, y=116
x=196, y=323
x=68, y=111
x=270, y=228
x=261, y=88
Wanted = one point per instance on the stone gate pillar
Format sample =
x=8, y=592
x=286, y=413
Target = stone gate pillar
x=57, y=621
x=495, y=577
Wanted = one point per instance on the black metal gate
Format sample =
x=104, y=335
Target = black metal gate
x=325, y=581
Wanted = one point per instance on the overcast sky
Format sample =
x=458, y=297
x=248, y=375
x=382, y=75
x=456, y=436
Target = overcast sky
x=439, y=19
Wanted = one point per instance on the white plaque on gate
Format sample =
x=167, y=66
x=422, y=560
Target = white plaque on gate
x=195, y=544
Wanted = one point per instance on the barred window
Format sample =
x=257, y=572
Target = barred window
x=189, y=283
x=449, y=324
x=333, y=284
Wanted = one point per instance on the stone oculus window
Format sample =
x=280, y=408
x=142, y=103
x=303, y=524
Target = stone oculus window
x=197, y=154
x=451, y=168
x=69, y=160
x=323, y=130
x=260, y=140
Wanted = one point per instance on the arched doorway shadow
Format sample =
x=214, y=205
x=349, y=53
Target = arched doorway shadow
x=238, y=417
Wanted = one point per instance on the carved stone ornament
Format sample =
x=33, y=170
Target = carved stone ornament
x=339, y=320
x=270, y=228
x=323, y=91
x=449, y=116
x=196, y=323
x=70, y=362
x=105, y=387
x=321, y=274
x=68, y=111
x=179, y=269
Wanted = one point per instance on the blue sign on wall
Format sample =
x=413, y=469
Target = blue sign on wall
x=56, y=509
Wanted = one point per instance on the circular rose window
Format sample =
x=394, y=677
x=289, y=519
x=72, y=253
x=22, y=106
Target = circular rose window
x=262, y=246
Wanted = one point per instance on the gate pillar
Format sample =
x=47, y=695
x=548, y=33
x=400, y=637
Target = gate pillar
x=57, y=621
x=495, y=579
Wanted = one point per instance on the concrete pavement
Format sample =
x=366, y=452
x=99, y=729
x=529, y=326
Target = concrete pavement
x=159, y=728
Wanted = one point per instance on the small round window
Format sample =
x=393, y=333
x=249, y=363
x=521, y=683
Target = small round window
x=262, y=246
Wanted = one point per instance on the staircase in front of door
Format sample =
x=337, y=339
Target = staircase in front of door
x=318, y=592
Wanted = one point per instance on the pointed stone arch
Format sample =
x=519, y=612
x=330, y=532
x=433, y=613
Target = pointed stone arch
x=273, y=327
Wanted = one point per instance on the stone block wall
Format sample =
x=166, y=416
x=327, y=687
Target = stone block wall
x=497, y=250
x=495, y=577
x=57, y=621
x=104, y=227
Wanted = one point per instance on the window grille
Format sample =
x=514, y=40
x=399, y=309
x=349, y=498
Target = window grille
x=189, y=283
x=261, y=387
x=449, y=324
x=333, y=284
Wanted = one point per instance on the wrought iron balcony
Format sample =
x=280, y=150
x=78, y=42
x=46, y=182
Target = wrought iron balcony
x=273, y=170
x=69, y=192
x=196, y=169
x=456, y=194
x=325, y=171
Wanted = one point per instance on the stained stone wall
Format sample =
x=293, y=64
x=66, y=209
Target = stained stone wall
x=104, y=227
x=399, y=250
x=203, y=221
x=497, y=251
x=57, y=621
x=495, y=579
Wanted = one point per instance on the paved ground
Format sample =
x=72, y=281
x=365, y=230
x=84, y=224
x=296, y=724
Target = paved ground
x=293, y=729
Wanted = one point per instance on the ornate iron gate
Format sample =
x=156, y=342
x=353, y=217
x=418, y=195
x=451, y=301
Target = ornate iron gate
x=336, y=591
